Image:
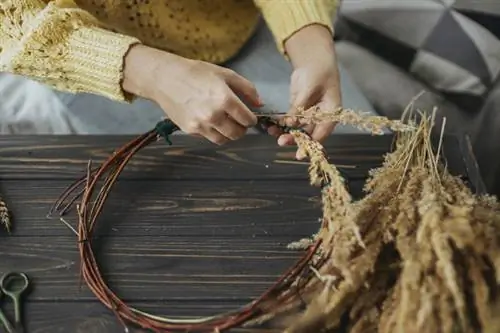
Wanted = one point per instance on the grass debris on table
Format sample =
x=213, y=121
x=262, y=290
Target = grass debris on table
x=4, y=215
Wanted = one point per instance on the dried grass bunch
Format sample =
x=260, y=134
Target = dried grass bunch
x=419, y=253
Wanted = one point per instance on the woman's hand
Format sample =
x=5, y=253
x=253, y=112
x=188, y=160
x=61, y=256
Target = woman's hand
x=201, y=98
x=314, y=81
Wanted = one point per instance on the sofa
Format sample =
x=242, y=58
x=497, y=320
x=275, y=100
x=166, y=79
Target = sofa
x=446, y=52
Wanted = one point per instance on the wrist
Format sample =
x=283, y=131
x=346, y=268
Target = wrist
x=142, y=66
x=146, y=66
x=136, y=69
x=310, y=44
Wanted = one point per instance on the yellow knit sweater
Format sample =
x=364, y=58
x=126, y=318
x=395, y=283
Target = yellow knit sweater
x=79, y=46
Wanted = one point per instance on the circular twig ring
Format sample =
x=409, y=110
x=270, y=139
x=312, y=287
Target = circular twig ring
x=278, y=297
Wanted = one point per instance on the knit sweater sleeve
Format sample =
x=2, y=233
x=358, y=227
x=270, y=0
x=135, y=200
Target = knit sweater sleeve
x=285, y=17
x=61, y=45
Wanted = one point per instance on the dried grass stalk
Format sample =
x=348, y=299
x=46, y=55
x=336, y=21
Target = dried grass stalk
x=361, y=120
x=419, y=253
x=4, y=215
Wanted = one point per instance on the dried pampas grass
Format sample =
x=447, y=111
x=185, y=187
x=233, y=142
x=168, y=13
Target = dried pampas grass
x=419, y=253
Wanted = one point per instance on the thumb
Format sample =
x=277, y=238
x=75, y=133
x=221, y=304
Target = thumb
x=324, y=129
x=242, y=86
x=299, y=98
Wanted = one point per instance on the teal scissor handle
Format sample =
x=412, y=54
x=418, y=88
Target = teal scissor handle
x=9, y=289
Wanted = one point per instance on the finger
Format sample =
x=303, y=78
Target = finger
x=215, y=136
x=281, y=119
x=300, y=99
x=242, y=86
x=322, y=131
x=309, y=129
x=286, y=140
x=229, y=128
x=274, y=131
x=292, y=121
x=238, y=111
x=300, y=154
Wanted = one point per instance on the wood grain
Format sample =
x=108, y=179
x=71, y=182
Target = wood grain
x=254, y=157
x=92, y=317
x=177, y=208
x=153, y=268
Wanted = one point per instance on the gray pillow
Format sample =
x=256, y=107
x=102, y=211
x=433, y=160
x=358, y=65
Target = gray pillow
x=451, y=46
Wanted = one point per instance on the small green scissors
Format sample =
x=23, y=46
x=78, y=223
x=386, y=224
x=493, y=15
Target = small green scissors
x=8, y=289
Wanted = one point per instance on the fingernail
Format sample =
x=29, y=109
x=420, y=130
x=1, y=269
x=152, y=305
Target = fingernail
x=299, y=156
x=282, y=140
x=260, y=102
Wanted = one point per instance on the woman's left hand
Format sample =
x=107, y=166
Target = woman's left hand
x=314, y=81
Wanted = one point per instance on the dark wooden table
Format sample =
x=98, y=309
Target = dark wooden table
x=191, y=229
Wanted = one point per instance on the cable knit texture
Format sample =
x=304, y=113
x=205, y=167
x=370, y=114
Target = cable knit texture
x=79, y=46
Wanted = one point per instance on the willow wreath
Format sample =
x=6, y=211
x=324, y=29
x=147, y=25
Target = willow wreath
x=386, y=262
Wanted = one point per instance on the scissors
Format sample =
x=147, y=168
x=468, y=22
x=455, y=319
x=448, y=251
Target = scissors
x=13, y=285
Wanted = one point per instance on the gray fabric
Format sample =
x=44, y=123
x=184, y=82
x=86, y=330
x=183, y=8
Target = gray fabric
x=29, y=107
x=455, y=29
x=487, y=7
x=408, y=22
x=453, y=47
x=486, y=141
x=259, y=61
x=390, y=90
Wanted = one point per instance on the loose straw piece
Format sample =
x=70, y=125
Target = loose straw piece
x=4, y=215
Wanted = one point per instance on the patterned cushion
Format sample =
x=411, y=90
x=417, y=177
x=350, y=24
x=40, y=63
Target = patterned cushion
x=452, y=46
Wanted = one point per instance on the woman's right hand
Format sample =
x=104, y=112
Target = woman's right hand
x=201, y=98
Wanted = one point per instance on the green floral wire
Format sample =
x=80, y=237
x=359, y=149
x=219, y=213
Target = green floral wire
x=167, y=127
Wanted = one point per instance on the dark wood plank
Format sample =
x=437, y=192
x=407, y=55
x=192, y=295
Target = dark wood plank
x=253, y=157
x=177, y=208
x=92, y=317
x=192, y=229
x=152, y=269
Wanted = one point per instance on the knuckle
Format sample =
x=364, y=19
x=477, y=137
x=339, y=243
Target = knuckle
x=237, y=133
x=222, y=100
x=219, y=140
x=193, y=127
x=208, y=117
